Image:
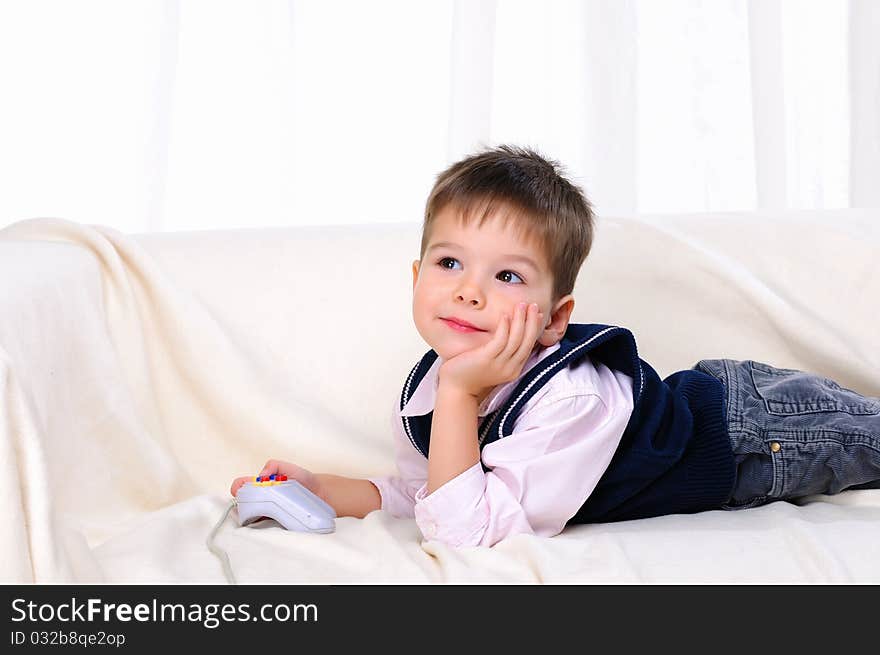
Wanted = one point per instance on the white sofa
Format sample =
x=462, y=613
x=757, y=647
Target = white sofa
x=140, y=373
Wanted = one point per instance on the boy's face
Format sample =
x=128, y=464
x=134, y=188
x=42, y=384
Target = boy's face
x=477, y=274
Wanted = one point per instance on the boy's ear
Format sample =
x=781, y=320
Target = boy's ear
x=415, y=272
x=559, y=317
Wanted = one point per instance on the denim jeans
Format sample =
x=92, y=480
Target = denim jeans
x=795, y=433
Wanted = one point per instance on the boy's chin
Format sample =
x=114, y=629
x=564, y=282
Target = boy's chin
x=448, y=350
x=449, y=345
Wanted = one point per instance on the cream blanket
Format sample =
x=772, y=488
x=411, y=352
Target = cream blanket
x=140, y=373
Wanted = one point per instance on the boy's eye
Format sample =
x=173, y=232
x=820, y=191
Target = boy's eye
x=445, y=260
x=505, y=276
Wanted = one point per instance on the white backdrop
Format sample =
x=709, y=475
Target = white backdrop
x=193, y=114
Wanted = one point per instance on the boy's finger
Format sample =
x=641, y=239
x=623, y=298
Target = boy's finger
x=524, y=345
x=533, y=328
x=517, y=330
x=499, y=340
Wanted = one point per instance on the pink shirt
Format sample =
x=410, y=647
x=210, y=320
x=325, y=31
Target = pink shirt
x=540, y=475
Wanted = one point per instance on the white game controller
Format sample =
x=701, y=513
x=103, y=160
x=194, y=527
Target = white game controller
x=286, y=501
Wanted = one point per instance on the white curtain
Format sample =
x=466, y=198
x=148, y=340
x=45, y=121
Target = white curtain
x=197, y=114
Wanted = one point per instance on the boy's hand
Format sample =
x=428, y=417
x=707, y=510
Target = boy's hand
x=274, y=466
x=478, y=370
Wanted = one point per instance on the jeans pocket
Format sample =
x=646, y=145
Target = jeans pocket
x=787, y=391
x=825, y=462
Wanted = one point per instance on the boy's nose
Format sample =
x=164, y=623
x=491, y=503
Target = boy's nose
x=469, y=293
x=473, y=301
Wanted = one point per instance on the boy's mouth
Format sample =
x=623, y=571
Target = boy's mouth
x=460, y=325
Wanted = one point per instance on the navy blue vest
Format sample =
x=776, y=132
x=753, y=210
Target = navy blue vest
x=675, y=455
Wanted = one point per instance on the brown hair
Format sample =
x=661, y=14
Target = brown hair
x=543, y=205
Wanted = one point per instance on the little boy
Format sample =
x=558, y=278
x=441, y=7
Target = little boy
x=517, y=421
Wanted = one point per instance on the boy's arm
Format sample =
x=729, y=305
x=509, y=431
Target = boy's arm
x=454, y=444
x=348, y=496
x=356, y=497
x=453, y=450
x=467, y=378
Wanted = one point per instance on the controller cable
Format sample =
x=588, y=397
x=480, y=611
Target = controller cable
x=219, y=552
